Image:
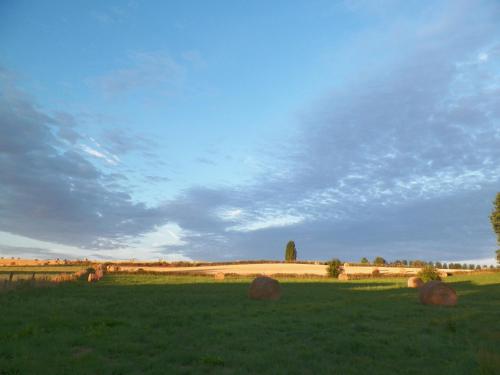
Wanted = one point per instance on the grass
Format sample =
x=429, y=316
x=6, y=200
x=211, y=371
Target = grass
x=158, y=324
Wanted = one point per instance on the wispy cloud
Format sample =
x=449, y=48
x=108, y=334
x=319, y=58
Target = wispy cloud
x=143, y=70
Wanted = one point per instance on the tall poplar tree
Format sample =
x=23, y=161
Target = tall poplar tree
x=290, y=252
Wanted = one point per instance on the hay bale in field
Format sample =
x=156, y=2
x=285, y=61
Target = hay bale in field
x=80, y=273
x=437, y=293
x=264, y=288
x=57, y=279
x=343, y=277
x=375, y=272
x=219, y=276
x=92, y=278
x=99, y=274
x=415, y=282
x=443, y=274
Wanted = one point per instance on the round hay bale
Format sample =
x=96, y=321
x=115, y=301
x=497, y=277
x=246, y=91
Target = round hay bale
x=346, y=264
x=264, y=288
x=443, y=274
x=437, y=293
x=219, y=276
x=415, y=282
x=92, y=278
x=79, y=274
x=57, y=279
x=343, y=276
x=99, y=273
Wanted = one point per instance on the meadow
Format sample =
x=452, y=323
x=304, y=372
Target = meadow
x=161, y=324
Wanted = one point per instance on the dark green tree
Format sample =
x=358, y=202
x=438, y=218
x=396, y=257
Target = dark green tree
x=428, y=273
x=379, y=261
x=364, y=260
x=495, y=222
x=418, y=263
x=333, y=268
x=290, y=252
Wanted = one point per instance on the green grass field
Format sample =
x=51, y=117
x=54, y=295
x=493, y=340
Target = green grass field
x=155, y=324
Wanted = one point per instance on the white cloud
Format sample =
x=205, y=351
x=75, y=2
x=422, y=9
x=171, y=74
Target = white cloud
x=483, y=57
x=108, y=157
x=267, y=221
x=163, y=236
x=229, y=214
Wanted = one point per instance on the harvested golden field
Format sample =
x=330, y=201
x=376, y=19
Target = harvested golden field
x=276, y=268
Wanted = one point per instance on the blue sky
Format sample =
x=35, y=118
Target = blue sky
x=219, y=130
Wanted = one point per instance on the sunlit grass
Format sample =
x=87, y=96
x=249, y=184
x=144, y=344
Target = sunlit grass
x=158, y=324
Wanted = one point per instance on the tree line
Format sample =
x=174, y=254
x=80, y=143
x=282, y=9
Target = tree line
x=291, y=251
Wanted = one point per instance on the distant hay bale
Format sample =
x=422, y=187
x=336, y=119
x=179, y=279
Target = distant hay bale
x=375, y=272
x=57, y=279
x=80, y=273
x=92, y=278
x=264, y=288
x=415, y=282
x=346, y=264
x=443, y=274
x=437, y=293
x=343, y=277
x=219, y=276
x=99, y=273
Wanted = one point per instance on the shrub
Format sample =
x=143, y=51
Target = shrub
x=334, y=267
x=429, y=273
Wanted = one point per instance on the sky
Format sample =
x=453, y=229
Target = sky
x=196, y=130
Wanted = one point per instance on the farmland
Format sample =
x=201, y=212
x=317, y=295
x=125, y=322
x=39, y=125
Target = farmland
x=39, y=272
x=158, y=324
